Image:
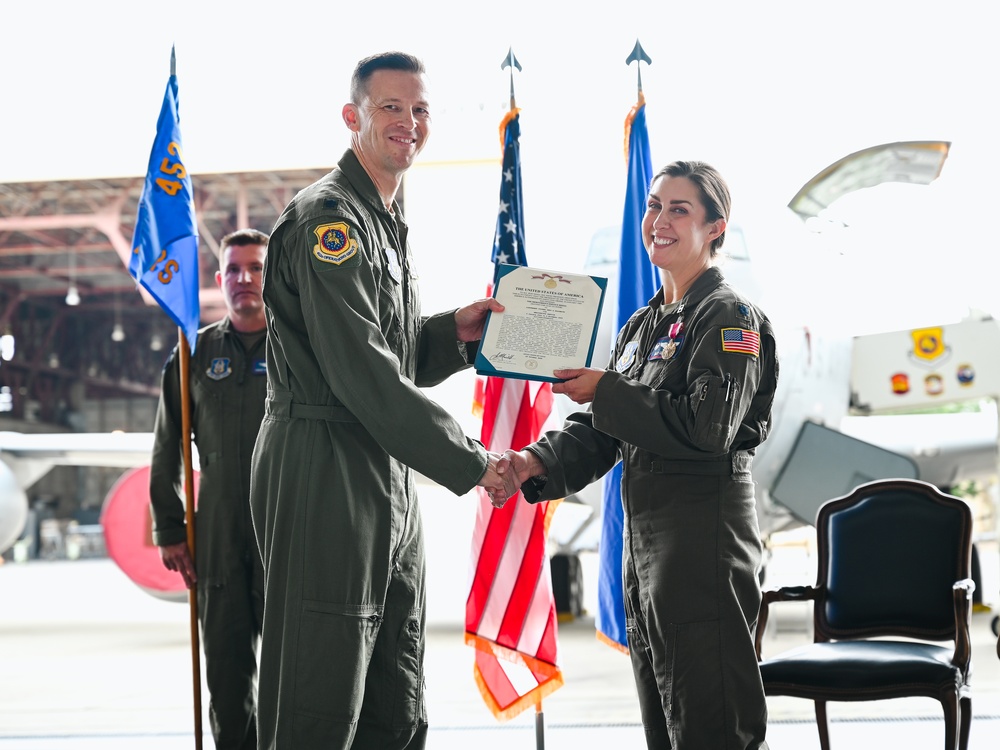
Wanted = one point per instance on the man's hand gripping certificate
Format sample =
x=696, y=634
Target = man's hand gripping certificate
x=549, y=323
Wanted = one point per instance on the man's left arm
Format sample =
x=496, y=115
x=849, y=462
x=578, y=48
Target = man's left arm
x=449, y=341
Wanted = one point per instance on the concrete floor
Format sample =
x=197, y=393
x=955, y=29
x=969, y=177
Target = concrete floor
x=88, y=660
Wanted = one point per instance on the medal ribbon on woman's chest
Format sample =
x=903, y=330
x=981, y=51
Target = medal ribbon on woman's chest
x=666, y=347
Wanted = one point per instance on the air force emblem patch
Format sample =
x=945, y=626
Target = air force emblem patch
x=337, y=244
x=627, y=357
x=219, y=369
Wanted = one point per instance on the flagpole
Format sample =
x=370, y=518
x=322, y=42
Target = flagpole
x=511, y=62
x=164, y=262
x=637, y=283
x=185, y=361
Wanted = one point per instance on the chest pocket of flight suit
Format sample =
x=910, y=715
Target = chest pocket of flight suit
x=391, y=297
x=207, y=387
x=662, y=361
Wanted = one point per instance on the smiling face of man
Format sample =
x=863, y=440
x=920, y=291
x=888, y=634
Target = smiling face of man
x=390, y=125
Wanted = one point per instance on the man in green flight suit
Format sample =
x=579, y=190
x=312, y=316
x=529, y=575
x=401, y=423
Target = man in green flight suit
x=228, y=385
x=346, y=427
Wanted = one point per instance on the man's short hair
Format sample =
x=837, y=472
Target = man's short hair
x=242, y=238
x=383, y=61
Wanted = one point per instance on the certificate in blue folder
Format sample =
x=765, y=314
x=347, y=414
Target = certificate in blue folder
x=549, y=323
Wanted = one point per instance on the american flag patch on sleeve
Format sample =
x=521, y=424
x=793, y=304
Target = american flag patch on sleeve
x=740, y=340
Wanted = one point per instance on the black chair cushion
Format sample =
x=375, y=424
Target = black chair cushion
x=859, y=665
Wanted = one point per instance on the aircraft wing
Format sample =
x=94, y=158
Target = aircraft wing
x=25, y=458
x=30, y=456
x=80, y=448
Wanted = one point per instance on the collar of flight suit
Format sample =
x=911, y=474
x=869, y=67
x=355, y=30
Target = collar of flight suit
x=709, y=280
x=363, y=185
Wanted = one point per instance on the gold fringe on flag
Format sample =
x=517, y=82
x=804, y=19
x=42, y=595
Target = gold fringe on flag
x=503, y=124
x=553, y=681
x=628, y=121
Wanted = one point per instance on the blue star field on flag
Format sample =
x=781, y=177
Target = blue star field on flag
x=508, y=242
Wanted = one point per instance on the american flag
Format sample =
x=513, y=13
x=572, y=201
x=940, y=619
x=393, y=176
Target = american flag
x=740, y=340
x=510, y=615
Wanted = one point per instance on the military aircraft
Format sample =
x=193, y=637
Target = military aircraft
x=822, y=443
x=26, y=458
x=816, y=450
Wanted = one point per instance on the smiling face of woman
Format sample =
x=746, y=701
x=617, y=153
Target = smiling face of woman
x=675, y=232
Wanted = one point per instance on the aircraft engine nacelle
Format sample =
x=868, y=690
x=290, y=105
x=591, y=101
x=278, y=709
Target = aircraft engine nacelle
x=13, y=508
x=128, y=536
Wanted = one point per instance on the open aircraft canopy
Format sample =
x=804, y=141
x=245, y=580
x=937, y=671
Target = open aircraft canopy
x=916, y=162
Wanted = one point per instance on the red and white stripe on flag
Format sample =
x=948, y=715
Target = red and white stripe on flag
x=510, y=615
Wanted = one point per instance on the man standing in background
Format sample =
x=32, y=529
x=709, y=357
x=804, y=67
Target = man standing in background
x=228, y=387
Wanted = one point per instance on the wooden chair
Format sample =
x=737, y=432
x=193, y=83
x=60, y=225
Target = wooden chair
x=894, y=560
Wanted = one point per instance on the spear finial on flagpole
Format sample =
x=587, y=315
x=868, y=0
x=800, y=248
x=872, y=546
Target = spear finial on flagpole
x=639, y=56
x=173, y=61
x=511, y=62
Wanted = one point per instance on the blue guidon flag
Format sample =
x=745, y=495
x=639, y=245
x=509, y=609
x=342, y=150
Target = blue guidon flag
x=165, y=241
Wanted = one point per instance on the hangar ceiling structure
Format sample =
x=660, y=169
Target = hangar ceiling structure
x=80, y=325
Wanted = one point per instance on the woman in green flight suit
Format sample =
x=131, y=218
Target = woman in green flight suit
x=686, y=400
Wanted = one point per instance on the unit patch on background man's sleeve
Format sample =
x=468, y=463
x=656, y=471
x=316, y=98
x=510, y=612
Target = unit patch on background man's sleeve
x=337, y=244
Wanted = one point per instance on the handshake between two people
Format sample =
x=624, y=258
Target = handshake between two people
x=505, y=473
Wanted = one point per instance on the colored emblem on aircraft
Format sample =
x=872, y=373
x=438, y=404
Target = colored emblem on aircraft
x=929, y=349
x=219, y=369
x=934, y=384
x=965, y=375
x=900, y=383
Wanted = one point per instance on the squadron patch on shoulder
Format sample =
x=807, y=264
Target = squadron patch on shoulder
x=337, y=244
x=743, y=310
x=741, y=341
